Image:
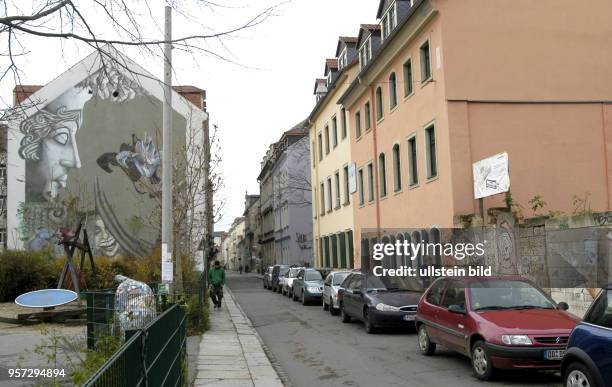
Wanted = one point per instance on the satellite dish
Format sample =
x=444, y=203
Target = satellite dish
x=46, y=298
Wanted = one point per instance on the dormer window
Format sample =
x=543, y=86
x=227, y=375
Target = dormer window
x=329, y=78
x=365, y=52
x=389, y=21
x=342, y=60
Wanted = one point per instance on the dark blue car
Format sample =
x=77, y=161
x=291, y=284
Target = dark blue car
x=588, y=360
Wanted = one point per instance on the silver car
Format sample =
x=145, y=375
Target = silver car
x=287, y=288
x=330, y=290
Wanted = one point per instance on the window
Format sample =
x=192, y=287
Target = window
x=365, y=52
x=388, y=22
x=360, y=187
x=454, y=295
x=370, y=182
x=408, y=87
x=425, y=62
x=335, y=131
x=342, y=61
x=326, y=139
x=343, y=122
x=397, y=170
x=382, y=172
x=601, y=311
x=430, y=139
x=337, y=181
x=357, y=124
x=435, y=294
x=322, y=203
x=392, y=91
x=329, y=194
x=368, y=117
x=412, y=161
x=347, y=194
x=320, y=147
x=379, y=104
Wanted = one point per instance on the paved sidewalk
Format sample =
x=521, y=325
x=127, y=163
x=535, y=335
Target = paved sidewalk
x=231, y=354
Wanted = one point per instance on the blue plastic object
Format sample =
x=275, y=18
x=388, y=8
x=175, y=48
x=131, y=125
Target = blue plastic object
x=46, y=298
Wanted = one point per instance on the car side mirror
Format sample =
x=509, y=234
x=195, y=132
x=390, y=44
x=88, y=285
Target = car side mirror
x=456, y=309
x=563, y=305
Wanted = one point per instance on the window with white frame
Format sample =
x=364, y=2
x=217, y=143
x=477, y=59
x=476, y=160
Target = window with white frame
x=389, y=21
x=368, y=116
x=337, y=186
x=365, y=52
x=357, y=124
x=382, y=174
x=370, y=182
x=412, y=161
x=320, y=147
x=347, y=195
x=408, y=87
x=430, y=149
x=322, y=202
x=342, y=60
x=397, y=169
x=343, y=122
x=326, y=130
x=334, y=131
x=329, y=195
x=392, y=90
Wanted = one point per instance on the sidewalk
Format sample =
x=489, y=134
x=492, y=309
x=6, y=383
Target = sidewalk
x=231, y=354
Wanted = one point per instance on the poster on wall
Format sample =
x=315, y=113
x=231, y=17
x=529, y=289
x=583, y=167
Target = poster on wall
x=491, y=176
x=352, y=177
x=167, y=273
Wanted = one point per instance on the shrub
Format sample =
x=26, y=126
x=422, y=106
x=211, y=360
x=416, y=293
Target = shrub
x=22, y=272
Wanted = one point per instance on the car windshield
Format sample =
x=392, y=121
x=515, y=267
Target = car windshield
x=339, y=278
x=293, y=272
x=507, y=294
x=312, y=275
x=283, y=271
x=390, y=284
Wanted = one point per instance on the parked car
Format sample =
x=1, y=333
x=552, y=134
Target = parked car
x=278, y=271
x=378, y=301
x=267, y=277
x=287, y=289
x=308, y=286
x=498, y=322
x=588, y=360
x=330, y=290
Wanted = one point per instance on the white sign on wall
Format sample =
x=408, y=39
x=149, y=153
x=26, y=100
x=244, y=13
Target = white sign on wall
x=491, y=176
x=352, y=177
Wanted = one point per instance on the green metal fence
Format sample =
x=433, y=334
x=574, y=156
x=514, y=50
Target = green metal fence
x=152, y=356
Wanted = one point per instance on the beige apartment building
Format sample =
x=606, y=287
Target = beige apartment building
x=442, y=84
x=329, y=130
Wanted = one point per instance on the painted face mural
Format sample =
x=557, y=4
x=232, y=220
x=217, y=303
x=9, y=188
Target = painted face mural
x=106, y=244
x=49, y=144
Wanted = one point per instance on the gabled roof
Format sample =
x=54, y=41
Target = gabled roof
x=347, y=40
x=330, y=64
x=124, y=65
x=366, y=30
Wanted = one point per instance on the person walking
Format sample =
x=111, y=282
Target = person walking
x=216, y=279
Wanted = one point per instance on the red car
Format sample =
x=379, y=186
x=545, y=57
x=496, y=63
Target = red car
x=498, y=322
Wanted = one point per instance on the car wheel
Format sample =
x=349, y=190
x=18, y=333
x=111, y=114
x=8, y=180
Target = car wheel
x=481, y=362
x=345, y=317
x=325, y=306
x=303, y=299
x=577, y=375
x=425, y=345
x=332, y=310
x=367, y=322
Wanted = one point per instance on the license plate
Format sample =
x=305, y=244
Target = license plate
x=554, y=354
x=408, y=317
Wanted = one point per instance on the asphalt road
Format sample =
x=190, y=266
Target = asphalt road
x=315, y=349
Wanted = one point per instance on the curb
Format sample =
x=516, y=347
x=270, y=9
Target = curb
x=275, y=364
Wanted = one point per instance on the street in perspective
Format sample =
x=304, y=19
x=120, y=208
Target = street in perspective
x=265, y=193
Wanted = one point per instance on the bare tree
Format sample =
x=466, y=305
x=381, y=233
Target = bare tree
x=121, y=23
x=293, y=184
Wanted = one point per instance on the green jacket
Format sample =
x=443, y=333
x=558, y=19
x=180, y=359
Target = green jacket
x=216, y=275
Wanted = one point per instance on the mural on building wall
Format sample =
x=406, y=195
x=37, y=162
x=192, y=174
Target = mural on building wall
x=138, y=160
x=116, y=192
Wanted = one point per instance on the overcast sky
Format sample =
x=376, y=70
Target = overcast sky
x=252, y=104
